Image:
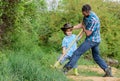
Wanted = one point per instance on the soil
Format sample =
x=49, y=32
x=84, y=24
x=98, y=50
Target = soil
x=98, y=70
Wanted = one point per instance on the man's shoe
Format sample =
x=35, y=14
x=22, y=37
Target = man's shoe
x=108, y=72
x=65, y=70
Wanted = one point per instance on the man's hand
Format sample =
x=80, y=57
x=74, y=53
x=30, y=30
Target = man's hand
x=83, y=27
x=87, y=32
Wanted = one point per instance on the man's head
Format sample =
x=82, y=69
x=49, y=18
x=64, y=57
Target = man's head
x=86, y=10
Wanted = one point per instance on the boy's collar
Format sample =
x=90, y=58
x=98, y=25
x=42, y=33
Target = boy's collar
x=68, y=35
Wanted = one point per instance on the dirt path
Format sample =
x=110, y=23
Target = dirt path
x=94, y=77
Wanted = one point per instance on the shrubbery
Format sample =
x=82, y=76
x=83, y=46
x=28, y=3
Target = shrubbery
x=23, y=66
x=33, y=36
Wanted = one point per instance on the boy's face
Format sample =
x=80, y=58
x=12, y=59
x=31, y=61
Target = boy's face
x=68, y=32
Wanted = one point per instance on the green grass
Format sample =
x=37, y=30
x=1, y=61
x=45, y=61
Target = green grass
x=19, y=66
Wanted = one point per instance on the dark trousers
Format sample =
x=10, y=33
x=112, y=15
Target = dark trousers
x=86, y=45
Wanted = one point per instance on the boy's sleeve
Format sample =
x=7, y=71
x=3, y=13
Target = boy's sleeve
x=63, y=43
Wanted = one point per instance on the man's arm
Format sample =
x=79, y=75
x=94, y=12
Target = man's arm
x=91, y=27
x=87, y=32
x=78, y=26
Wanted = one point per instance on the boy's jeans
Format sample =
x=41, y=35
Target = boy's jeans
x=86, y=45
x=65, y=58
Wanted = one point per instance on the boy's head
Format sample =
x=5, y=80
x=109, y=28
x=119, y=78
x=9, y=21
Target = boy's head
x=67, y=29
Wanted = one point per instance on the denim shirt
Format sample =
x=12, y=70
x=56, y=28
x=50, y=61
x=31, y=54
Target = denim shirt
x=92, y=23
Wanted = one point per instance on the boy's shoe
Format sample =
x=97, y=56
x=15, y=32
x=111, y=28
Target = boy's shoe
x=108, y=72
x=57, y=65
x=76, y=71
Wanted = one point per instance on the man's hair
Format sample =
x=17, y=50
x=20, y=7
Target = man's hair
x=86, y=8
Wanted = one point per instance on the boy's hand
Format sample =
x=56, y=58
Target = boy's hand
x=63, y=50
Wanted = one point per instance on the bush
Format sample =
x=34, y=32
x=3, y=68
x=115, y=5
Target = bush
x=20, y=66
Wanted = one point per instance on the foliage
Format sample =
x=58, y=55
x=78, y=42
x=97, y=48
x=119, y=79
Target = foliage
x=21, y=66
x=25, y=61
x=33, y=36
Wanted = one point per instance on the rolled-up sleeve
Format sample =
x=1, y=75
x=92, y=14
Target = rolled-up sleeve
x=92, y=25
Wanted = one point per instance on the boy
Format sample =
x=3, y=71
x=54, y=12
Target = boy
x=67, y=40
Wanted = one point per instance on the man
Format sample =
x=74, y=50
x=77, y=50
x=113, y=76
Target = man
x=91, y=27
